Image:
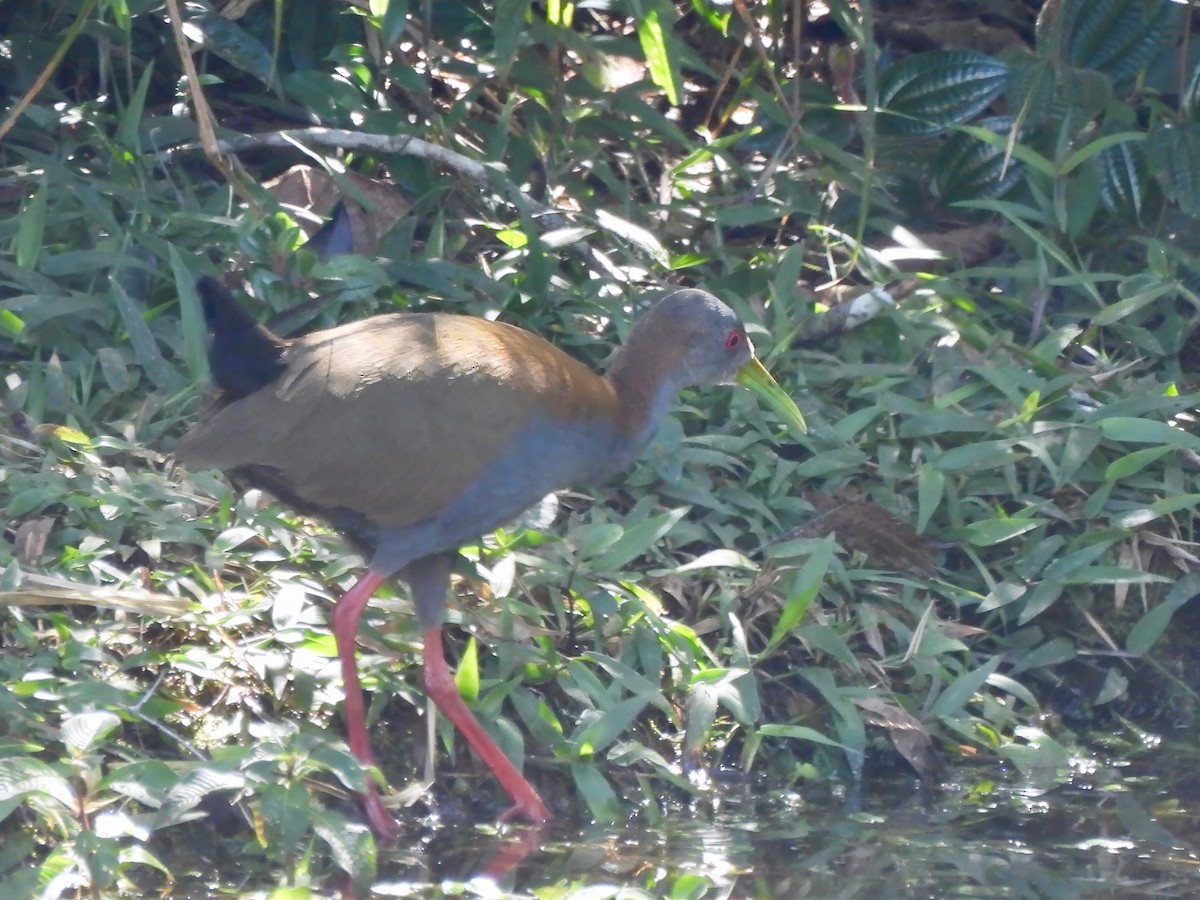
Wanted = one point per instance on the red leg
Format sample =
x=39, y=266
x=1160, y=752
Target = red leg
x=344, y=621
x=439, y=685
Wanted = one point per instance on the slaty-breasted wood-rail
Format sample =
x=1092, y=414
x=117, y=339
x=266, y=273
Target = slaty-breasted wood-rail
x=413, y=433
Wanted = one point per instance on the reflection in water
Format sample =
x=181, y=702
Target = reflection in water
x=1103, y=834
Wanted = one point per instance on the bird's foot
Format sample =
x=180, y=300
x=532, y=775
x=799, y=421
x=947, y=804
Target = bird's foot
x=530, y=808
x=383, y=825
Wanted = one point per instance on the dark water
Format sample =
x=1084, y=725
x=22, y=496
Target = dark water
x=1117, y=831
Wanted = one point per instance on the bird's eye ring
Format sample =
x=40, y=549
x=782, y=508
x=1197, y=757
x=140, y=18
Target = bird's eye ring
x=732, y=340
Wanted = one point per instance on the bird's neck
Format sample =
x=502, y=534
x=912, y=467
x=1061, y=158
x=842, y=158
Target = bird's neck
x=645, y=391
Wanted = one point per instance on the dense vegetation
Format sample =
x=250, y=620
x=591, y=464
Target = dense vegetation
x=970, y=252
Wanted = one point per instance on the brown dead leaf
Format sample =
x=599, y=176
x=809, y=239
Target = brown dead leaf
x=960, y=630
x=907, y=734
x=1071, y=500
x=969, y=246
x=51, y=590
x=31, y=537
x=863, y=526
x=315, y=190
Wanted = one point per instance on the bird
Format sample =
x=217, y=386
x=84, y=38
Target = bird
x=412, y=433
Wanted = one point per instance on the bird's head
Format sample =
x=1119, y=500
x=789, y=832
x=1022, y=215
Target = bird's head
x=695, y=339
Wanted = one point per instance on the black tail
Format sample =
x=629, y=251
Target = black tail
x=244, y=356
x=335, y=236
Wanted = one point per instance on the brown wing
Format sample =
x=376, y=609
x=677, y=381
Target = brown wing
x=394, y=416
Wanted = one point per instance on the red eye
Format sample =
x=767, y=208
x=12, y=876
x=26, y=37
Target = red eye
x=732, y=340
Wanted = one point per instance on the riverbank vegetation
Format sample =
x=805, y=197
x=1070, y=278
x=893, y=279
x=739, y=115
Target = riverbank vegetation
x=970, y=251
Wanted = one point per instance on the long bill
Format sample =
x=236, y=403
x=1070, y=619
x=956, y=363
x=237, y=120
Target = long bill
x=755, y=376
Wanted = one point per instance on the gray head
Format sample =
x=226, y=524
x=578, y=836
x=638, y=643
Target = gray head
x=692, y=338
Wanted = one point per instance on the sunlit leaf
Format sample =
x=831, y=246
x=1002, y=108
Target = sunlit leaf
x=466, y=678
x=657, y=43
x=83, y=731
x=596, y=792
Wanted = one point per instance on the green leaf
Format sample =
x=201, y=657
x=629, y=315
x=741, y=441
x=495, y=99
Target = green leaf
x=235, y=45
x=11, y=322
x=1098, y=147
x=146, y=780
x=69, y=435
x=595, y=538
x=1118, y=37
x=641, y=238
x=337, y=759
x=392, y=16
x=539, y=719
x=1021, y=152
x=658, y=43
x=637, y=540
x=145, y=348
x=192, y=788
x=508, y=29
x=139, y=855
x=31, y=226
x=701, y=713
x=232, y=538
x=967, y=168
x=631, y=681
x=1132, y=463
x=1173, y=153
x=513, y=238
x=1042, y=754
x=23, y=775
x=931, y=489
x=195, y=331
x=928, y=92
x=351, y=846
x=706, y=152
x=466, y=678
x=560, y=13
x=826, y=639
x=1146, y=431
x=804, y=589
x=975, y=457
x=851, y=728
x=286, y=813
x=1113, y=575
x=128, y=132
x=610, y=725
x=83, y=731
x=989, y=532
x=799, y=733
x=1123, y=178
x=1153, y=625
x=1141, y=296
x=597, y=793
x=28, y=500
x=735, y=689
x=953, y=700
x=1051, y=653
x=1002, y=594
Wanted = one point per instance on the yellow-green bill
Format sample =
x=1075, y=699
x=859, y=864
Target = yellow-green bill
x=755, y=376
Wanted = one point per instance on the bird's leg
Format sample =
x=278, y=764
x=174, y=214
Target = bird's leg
x=344, y=622
x=440, y=686
x=429, y=579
